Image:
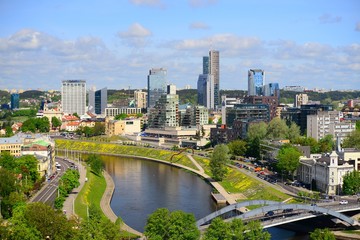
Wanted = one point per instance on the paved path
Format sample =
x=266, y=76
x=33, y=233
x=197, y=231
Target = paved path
x=195, y=163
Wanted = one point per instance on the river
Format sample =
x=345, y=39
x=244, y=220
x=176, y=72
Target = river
x=143, y=186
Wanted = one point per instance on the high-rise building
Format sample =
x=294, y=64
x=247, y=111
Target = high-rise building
x=214, y=69
x=140, y=99
x=157, y=81
x=15, y=101
x=301, y=99
x=256, y=80
x=73, y=96
x=272, y=90
x=205, y=89
x=206, y=67
x=165, y=113
x=100, y=101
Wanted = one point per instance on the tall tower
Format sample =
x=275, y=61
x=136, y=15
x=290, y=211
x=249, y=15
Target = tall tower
x=205, y=88
x=214, y=69
x=256, y=80
x=157, y=81
x=15, y=101
x=73, y=96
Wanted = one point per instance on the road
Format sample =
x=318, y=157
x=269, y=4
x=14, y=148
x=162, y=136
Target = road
x=49, y=191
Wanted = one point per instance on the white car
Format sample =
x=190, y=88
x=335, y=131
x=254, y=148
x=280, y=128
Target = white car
x=343, y=202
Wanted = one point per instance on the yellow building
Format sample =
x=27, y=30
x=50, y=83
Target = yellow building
x=114, y=127
x=11, y=145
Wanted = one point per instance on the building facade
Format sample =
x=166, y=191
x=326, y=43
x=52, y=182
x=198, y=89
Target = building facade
x=73, y=96
x=214, y=70
x=247, y=112
x=272, y=101
x=12, y=145
x=98, y=101
x=301, y=99
x=15, y=101
x=272, y=90
x=205, y=89
x=140, y=99
x=157, y=82
x=256, y=80
x=113, y=111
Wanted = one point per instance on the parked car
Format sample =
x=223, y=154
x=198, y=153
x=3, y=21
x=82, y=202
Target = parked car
x=343, y=202
x=269, y=214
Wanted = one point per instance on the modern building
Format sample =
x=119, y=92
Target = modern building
x=73, y=96
x=206, y=65
x=301, y=99
x=113, y=111
x=272, y=101
x=206, y=89
x=294, y=88
x=214, y=70
x=15, y=101
x=165, y=113
x=328, y=123
x=157, y=82
x=248, y=112
x=256, y=80
x=272, y=90
x=193, y=116
x=97, y=100
x=228, y=102
x=140, y=99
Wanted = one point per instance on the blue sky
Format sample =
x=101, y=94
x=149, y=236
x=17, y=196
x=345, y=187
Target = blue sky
x=114, y=43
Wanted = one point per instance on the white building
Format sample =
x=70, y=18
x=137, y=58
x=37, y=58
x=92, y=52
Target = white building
x=112, y=111
x=140, y=99
x=73, y=96
x=326, y=172
x=301, y=99
x=328, y=123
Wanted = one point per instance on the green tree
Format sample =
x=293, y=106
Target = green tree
x=42, y=124
x=288, y=159
x=322, y=234
x=163, y=224
x=218, y=230
x=95, y=163
x=29, y=125
x=257, y=130
x=254, y=148
x=55, y=122
x=218, y=162
x=351, y=183
x=121, y=116
x=237, y=147
x=99, y=129
x=293, y=132
x=8, y=131
x=358, y=125
x=27, y=165
x=326, y=144
x=76, y=115
x=277, y=129
x=352, y=140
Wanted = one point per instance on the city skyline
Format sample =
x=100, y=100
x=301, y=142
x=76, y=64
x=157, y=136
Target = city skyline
x=114, y=44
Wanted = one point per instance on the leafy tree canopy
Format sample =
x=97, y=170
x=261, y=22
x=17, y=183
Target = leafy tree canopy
x=351, y=183
x=322, y=234
x=237, y=147
x=218, y=162
x=288, y=159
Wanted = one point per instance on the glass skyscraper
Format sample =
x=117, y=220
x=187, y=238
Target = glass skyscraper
x=73, y=96
x=214, y=63
x=206, y=65
x=15, y=101
x=205, y=89
x=272, y=89
x=256, y=79
x=157, y=82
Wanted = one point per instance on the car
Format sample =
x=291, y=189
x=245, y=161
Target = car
x=287, y=210
x=269, y=214
x=343, y=202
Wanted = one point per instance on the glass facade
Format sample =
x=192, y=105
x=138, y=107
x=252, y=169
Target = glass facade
x=157, y=82
x=206, y=65
x=205, y=89
x=15, y=101
x=256, y=79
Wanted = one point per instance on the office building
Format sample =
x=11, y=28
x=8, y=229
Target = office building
x=165, y=113
x=15, y=101
x=248, y=112
x=214, y=70
x=205, y=89
x=272, y=90
x=206, y=66
x=73, y=96
x=98, y=101
x=157, y=81
x=272, y=101
x=256, y=80
x=140, y=99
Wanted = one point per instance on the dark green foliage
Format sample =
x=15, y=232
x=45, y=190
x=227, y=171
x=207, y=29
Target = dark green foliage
x=95, y=163
x=237, y=147
x=351, y=183
x=162, y=224
x=67, y=183
x=218, y=161
x=326, y=144
x=121, y=116
x=254, y=148
x=36, y=125
x=352, y=140
x=55, y=122
x=288, y=159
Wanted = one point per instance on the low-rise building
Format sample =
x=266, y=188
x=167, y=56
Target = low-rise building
x=11, y=145
x=114, y=127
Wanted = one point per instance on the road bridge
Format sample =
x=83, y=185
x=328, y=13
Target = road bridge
x=282, y=213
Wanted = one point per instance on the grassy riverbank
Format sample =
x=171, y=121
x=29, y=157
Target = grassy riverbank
x=112, y=148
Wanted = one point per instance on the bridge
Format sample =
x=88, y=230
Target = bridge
x=282, y=213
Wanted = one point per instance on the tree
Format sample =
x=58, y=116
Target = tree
x=322, y=234
x=8, y=131
x=277, y=129
x=237, y=147
x=29, y=126
x=254, y=148
x=42, y=124
x=293, y=132
x=55, y=122
x=76, y=115
x=99, y=129
x=95, y=163
x=352, y=140
x=121, y=116
x=288, y=159
x=218, y=162
x=163, y=224
x=351, y=183
x=257, y=130
x=218, y=230
x=326, y=144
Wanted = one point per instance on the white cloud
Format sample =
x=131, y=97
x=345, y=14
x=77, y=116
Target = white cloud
x=199, y=25
x=357, y=27
x=136, y=35
x=153, y=3
x=201, y=3
x=328, y=18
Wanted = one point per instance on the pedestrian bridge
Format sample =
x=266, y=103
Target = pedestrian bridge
x=283, y=213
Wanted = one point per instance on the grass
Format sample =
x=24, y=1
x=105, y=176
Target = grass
x=112, y=148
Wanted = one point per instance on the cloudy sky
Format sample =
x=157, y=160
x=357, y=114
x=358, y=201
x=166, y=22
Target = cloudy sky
x=114, y=43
